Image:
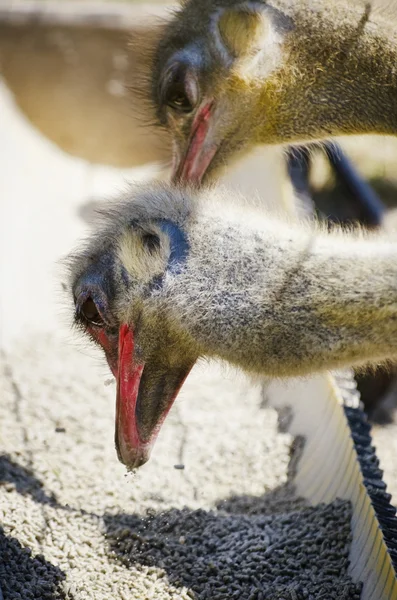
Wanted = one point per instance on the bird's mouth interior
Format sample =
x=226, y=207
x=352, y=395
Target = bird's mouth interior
x=200, y=151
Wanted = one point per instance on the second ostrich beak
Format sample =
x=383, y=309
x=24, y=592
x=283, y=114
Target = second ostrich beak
x=192, y=166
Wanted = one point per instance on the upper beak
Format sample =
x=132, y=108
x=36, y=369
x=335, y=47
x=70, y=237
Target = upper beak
x=200, y=150
x=145, y=394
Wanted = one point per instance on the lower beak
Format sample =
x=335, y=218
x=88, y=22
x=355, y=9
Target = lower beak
x=145, y=394
x=200, y=151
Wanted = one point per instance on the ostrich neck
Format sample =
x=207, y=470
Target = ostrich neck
x=284, y=302
x=339, y=76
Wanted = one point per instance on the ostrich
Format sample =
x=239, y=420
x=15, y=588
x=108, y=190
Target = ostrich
x=227, y=75
x=177, y=274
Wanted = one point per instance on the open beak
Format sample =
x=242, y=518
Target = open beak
x=145, y=394
x=145, y=390
x=200, y=150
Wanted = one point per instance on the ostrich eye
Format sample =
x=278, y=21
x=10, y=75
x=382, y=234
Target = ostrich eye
x=180, y=91
x=178, y=99
x=90, y=313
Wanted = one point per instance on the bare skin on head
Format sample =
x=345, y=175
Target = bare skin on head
x=227, y=75
x=172, y=276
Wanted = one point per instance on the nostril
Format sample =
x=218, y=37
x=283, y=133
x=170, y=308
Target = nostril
x=90, y=312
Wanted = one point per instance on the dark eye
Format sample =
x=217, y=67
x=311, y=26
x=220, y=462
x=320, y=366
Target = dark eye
x=178, y=100
x=180, y=90
x=90, y=313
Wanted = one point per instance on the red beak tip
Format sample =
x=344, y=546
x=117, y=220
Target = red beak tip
x=132, y=457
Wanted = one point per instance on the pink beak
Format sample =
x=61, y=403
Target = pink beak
x=200, y=152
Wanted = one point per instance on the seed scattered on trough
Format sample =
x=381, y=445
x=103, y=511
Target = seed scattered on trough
x=292, y=556
x=103, y=536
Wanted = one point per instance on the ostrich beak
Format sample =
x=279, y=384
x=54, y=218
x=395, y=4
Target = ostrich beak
x=145, y=394
x=200, y=150
x=146, y=389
